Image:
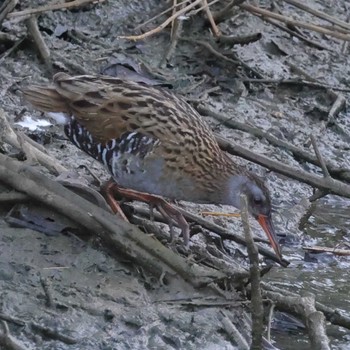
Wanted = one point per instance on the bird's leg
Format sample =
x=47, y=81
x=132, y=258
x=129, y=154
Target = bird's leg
x=170, y=222
x=108, y=190
x=171, y=214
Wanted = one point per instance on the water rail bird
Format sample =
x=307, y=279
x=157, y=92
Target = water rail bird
x=153, y=143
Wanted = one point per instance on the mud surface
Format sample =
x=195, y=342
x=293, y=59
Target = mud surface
x=106, y=303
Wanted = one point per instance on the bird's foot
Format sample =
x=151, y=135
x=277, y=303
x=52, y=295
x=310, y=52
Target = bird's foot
x=170, y=213
x=108, y=190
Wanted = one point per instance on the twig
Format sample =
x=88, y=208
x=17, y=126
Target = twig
x=219, y=230
x=164, y=24
x=298, y=82
x=233, y=332
x=338, y=105
x=201, y=8
x=216, y=30
x=239, y=40
x=210, y=49
x=53, y=7
x=9, y=136
x=162, y=13
x=345, y=45
x=257, y=11
x=176, y=29
x=49, y=299
x=319, y=157
x=317, y=195
x=53, y=334
x=6, y=7
x=7, y=341
x=12, y=49
x=335, y=251
x=257, y=309
x=269, y=320
x=291, y=32
x=44, y=52
x=14, y=320
x=319, y=14
x=13, y=196
x=226, y=12
x=175, y=20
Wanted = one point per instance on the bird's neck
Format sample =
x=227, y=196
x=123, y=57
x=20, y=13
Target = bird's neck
x=227, y=182
x=233, y=188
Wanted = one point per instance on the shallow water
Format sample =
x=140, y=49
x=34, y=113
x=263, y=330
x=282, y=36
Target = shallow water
x=325, y=275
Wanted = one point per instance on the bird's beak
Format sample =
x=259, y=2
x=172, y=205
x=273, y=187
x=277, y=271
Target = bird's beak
x=266, y=224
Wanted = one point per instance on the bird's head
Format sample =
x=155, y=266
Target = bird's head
x=259, y=204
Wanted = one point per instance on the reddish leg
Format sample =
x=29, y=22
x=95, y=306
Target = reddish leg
x=108, y=191
x=171, y=214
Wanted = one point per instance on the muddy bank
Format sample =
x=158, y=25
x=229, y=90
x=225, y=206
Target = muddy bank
x=102, y=302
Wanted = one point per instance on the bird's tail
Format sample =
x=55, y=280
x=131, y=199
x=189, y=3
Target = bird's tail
x=45, y=98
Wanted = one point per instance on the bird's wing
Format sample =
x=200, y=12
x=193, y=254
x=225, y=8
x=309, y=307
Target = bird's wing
x=109, y=107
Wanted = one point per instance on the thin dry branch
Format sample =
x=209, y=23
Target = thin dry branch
x=20, y=141
x=6, y=7
x=227, y=11
x=44, y=51
x=291, y=32
x=7, y=341
x=172, y=8
x=257, y=11
x=335, y=251
x=233, y=332
x=298, y=82
x=210, y=49
x=52, y=7
x=164, y=24
x=216, y=30
x=319, y=157
x=176, y=28
x=319, y=14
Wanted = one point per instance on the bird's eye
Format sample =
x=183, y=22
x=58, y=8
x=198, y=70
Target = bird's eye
x=257, y=200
